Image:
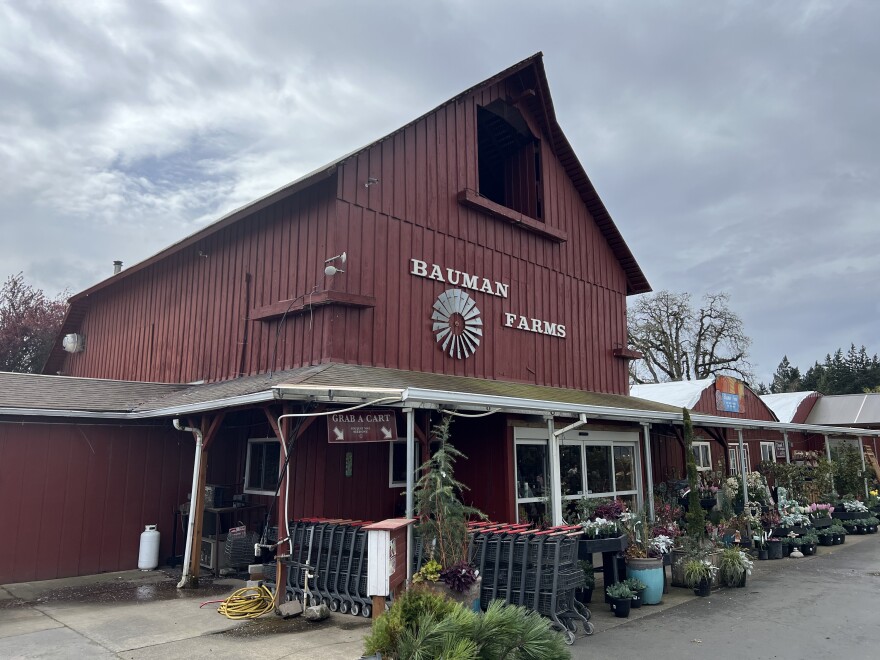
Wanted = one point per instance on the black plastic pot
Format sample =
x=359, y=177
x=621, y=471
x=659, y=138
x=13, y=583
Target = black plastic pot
x=620, y=607
x=774, y=549
x=809, y=549
x=763, y=553
x=742, y=581
x=637, y=599
x=704, y=588
x=707, y=503
x=583, y=596
x=838, y=539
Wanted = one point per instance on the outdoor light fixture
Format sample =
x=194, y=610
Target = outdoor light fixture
x=371, y=181
x=330, y=270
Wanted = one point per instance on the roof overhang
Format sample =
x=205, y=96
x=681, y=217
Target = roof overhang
x=414, y=397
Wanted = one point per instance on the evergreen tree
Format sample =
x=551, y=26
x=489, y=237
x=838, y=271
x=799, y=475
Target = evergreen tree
x=696, y=517
x=786, y=379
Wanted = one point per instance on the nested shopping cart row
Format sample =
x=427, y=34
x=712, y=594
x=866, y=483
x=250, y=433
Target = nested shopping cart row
x=328, y=562
x=537, y=569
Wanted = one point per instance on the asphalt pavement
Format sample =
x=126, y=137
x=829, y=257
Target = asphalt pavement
x=825, y=606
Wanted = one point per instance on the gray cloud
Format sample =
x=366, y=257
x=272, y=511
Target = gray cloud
x=734, y=143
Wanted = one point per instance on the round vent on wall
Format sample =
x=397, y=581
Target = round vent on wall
x=73, y=343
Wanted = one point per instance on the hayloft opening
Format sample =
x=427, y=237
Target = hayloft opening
x=509, y=159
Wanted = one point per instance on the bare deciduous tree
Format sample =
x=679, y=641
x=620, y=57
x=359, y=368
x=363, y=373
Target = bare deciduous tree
x=680, y=342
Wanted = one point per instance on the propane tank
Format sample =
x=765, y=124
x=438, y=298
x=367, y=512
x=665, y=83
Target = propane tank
x=148, y=556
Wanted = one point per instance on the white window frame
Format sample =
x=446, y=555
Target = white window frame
x=402, y=484
x=734, y=457
x=611, y=439
x=708, y=446
x=247, y=466
x=772, y=445
x=530, y=436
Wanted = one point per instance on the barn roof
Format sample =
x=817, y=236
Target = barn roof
x=67, y=397
x=39, y=394
x=678, y=393
x=785, y=405
x=635, y=278
x=47, y=393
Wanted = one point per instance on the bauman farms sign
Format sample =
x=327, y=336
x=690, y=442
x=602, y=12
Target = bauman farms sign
x=458, y=278
x=456, y=318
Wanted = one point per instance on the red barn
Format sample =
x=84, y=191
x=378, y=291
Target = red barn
x=464, y=263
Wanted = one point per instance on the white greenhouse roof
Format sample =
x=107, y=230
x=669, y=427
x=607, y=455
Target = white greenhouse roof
x=785, y=405
x=848, y=409
x=678, y=393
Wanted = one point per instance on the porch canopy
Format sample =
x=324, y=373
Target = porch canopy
x=345, y=385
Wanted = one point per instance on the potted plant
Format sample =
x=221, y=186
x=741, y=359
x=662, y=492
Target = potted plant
x=585, y=594
x=809, y=542
x=698, y=574
x=621, y=599
x=644, y=557
x=826, y=537
x=871, y=524
x=774, y=548
x=638, y=589
x=733, y=567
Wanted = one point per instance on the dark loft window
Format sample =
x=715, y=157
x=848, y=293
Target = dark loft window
x=509, y=159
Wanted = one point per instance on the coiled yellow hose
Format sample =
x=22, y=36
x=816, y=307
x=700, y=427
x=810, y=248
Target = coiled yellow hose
x=248, y=603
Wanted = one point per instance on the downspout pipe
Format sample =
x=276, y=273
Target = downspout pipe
x=197, y=463
x=649, y=470
x=744, y=469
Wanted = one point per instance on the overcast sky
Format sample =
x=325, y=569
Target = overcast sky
x=734, y=143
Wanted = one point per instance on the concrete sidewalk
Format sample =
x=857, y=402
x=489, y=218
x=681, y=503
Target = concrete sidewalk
x=143, y=615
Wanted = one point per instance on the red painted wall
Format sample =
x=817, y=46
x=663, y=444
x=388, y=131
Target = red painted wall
x=77, y=497
x=188, y=317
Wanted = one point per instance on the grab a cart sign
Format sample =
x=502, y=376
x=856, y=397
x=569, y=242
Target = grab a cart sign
x=363, y=426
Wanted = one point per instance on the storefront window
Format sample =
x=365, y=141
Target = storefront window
x=531, y=470
x=593, y=464
x=624, y=478
x=570, y=470
x=599, y=476
x=608, y=468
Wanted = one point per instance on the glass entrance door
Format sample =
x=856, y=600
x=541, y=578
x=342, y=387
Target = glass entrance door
x=601, y=467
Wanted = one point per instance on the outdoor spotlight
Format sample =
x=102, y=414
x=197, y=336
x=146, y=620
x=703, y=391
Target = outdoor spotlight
x=330, y=270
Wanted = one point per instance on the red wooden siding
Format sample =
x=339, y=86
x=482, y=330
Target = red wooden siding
x=187, y=317
x=80, y=495
x=578, y=283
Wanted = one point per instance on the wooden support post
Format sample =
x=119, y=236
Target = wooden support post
x=378, y=607
x=197, y=508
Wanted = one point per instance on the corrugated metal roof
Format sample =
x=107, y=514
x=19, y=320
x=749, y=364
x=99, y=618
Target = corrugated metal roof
x=37, y=391
x=785, y=404
x=678, y=393
x=847, y=410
